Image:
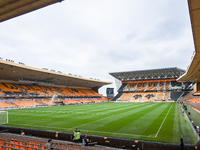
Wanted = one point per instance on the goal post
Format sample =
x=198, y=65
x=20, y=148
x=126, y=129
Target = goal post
x=3, y=117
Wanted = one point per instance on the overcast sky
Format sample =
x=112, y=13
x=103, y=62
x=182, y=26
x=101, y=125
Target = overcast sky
x=94, y=37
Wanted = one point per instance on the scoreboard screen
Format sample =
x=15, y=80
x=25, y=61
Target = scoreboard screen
x=110, y=92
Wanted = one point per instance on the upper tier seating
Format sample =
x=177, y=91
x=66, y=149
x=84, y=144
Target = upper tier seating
x=161, y=86
x=52, y=90
x=175, y=83
x=39, y=89
x=1, y=93
x=77, y=92
x=141, y=86
x=8, y=87
x=28, y=89
x=131, y=85
x=152, y=86
x=66, y=91
x=167, y=86
x=188, y=85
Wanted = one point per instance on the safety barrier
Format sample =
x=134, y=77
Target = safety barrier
x=105, y=141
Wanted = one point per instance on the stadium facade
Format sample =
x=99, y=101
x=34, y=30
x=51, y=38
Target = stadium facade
x=151, y=85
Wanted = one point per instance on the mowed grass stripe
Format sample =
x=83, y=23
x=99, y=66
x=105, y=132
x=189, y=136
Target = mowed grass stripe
x=186, y=130
x=127, y=117
x=68, y=120
x=166, y=132
x=65, y=121
x=101, y=121
x=122, y=120
x=84, y=120
x=139, y=126
x=176, y=129
x=86, y=110
x=155, y=125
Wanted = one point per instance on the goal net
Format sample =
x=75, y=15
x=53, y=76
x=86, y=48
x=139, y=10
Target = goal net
x=3, y=117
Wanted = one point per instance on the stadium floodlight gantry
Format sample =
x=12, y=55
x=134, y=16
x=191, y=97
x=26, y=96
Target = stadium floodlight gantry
x=13, y=8
x=151, y=85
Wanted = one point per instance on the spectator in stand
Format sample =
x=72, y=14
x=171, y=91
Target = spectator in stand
x=86, y=140
x=49, y=145
x=77, y=136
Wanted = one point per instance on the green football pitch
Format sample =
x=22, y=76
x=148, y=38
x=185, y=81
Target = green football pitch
x=161, y=122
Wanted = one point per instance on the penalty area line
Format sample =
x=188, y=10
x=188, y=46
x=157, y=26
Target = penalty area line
x=163, y=121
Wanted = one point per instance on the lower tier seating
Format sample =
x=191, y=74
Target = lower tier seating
x=22, y=142
x=146, y=96
x=126, y=96
x=47, y=102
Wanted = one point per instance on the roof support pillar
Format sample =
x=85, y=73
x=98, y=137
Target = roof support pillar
x=197, y=86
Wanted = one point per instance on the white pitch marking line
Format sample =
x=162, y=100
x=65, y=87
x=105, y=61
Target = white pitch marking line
x=163, y=121
x=96, y=120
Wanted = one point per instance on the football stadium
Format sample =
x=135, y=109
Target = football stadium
x=154, y=109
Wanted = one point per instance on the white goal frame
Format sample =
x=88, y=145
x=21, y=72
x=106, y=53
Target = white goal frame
x=6, y=116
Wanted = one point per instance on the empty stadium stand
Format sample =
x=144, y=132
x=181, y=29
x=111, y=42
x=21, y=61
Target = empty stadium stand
x=152, y=85
x=126, y=96
x=138, y=96
x=175, y=95
x=159, y=95
x=17, y=95
x=10, y=141
x=161, y=85
x=149, y=96
x=23, y=90
x=194, y=100
x=167, y=96
x=18, y=103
